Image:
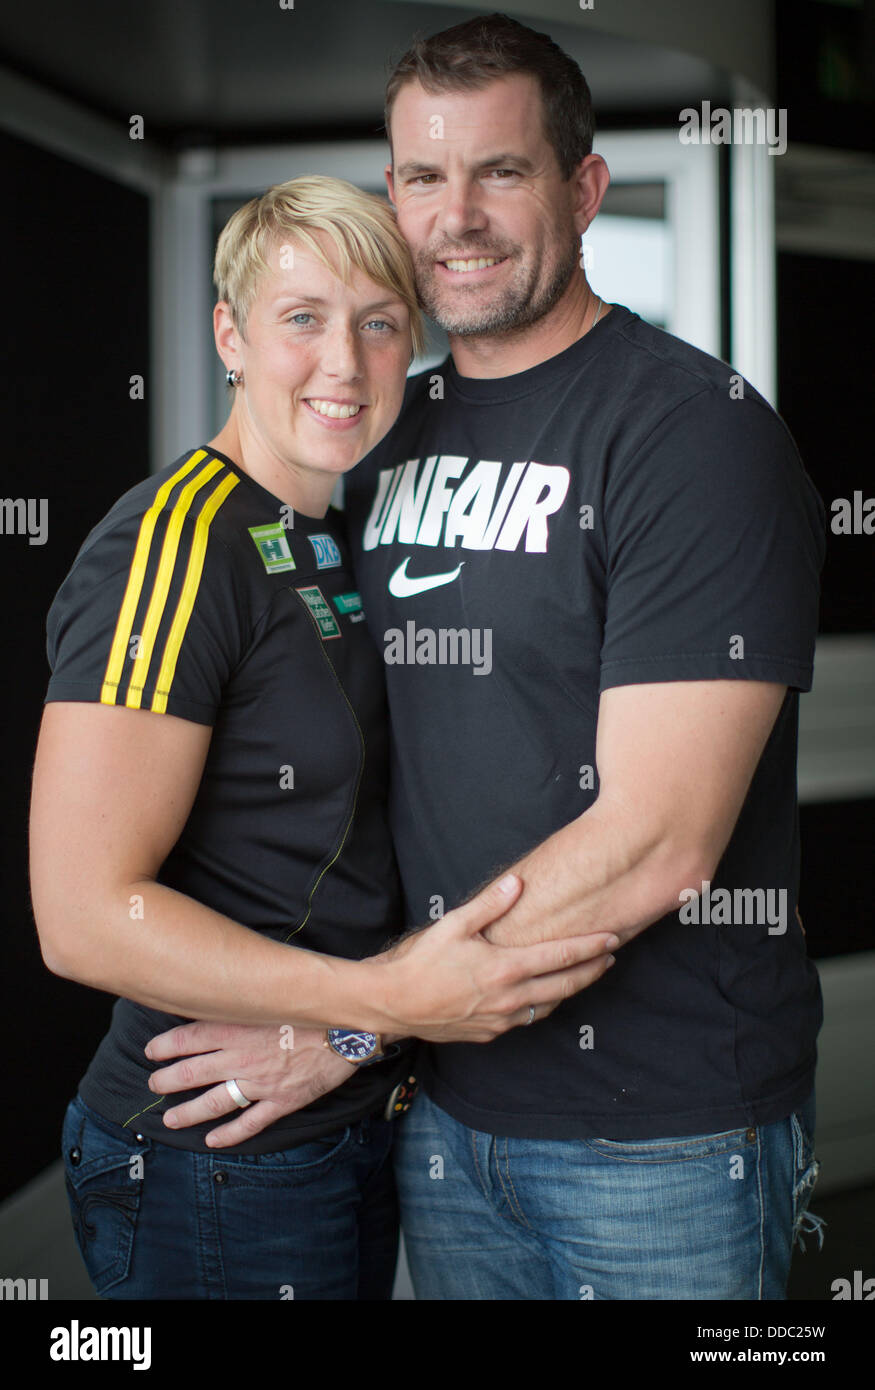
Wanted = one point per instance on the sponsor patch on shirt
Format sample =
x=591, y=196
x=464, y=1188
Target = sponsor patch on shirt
x=351, y=606
x=325, y=619
x=273, y=547
x=348, y=603
x=326, y=552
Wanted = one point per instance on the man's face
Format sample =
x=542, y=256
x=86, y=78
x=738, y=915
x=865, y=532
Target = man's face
x=482, y=204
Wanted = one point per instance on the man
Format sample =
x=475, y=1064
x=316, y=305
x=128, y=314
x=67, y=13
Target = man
x=593, y=569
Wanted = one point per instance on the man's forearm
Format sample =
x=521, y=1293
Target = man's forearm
x=600, y=873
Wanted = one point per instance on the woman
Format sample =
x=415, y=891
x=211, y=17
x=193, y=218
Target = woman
x=230, y=859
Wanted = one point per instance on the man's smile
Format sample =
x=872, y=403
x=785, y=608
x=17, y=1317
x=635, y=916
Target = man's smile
x=470, y=265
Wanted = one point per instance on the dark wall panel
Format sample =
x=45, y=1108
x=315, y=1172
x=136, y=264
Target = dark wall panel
x=835, y=888
x=825, y=396
x=75, y=300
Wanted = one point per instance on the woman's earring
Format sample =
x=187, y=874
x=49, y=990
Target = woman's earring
x=233, y=377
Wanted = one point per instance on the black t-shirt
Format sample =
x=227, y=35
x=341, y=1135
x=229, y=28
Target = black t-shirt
x=201, y=595
x=616, y=515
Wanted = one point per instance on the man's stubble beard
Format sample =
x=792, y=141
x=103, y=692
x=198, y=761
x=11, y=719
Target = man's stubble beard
x=518, y=306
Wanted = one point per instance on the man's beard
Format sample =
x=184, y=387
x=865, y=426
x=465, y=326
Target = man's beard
x=520, y=304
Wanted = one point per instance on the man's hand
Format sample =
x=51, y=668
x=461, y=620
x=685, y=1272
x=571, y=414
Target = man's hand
x=279, y=1069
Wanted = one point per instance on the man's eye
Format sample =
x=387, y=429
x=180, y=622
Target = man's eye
x=509, y=173
x=420, y=178
x=296, y=318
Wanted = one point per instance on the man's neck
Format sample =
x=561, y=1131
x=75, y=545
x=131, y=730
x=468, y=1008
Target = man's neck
x=497, y=355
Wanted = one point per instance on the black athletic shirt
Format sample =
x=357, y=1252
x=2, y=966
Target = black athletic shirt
x=628, y=511
x=201, y=595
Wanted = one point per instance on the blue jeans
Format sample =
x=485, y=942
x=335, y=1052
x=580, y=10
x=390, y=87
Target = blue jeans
x=709, y=1216
x=317, y=1221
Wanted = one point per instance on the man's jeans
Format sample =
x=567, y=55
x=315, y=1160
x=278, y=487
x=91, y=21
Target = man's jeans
x=707, y=1216
x=317, y=1221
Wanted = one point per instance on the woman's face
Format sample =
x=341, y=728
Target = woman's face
x=324, y=366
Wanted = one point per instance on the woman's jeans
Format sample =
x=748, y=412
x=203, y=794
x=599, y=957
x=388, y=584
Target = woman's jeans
x=709, y=1216
x=317, y=1221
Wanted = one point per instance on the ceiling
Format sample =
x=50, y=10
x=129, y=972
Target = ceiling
x=247, y=70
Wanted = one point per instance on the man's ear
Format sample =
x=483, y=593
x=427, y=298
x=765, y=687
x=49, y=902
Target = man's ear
x=591, y=179
x=390, y=184
x=226, y=335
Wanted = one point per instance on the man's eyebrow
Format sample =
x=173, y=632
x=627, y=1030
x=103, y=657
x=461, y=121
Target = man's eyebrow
x=501, y=160
x=413, y=167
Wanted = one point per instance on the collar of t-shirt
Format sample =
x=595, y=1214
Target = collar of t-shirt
x=500, y=390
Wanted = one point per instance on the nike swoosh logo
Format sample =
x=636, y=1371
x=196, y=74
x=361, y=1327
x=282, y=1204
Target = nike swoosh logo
x=400, y=586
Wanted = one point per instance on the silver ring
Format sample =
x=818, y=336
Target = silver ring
x=236, y=1094
x=531, y=1017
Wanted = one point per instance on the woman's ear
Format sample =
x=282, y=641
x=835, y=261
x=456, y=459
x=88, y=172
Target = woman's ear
x=227, y=335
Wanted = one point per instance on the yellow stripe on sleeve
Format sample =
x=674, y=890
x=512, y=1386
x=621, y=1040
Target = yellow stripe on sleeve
x=189, y=593
x=163, y=577
x=127, y=612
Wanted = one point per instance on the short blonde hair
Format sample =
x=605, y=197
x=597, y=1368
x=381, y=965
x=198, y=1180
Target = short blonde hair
x=361, y=226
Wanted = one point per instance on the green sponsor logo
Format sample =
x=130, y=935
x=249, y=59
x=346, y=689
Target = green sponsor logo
x=273, y=547
x=325, y=619
x=348, y=603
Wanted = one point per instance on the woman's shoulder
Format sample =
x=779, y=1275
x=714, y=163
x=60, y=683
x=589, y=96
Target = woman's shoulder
x=156, y=581
x=194, y=487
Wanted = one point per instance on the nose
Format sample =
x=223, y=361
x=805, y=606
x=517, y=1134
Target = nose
x=461, y=211
x=342, y=354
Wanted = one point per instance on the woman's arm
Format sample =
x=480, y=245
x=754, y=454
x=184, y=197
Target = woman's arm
x=113, y=788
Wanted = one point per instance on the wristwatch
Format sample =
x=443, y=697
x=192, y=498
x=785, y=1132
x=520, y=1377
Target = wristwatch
x=359, y=1048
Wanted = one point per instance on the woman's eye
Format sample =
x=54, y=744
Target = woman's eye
x=296, y=318
x=378, y=323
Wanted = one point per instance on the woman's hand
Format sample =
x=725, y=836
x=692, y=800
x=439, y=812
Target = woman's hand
x=279, y=1069
x=449, y=984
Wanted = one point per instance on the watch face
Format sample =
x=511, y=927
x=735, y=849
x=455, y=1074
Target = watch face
x=355, y=1047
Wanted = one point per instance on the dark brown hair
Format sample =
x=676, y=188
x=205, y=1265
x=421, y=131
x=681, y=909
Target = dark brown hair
x=473, y=54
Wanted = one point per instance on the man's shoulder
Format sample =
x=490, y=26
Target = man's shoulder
x=666, y=389
x=681, y=370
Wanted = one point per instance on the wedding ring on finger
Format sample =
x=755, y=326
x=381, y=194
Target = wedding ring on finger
x=531, y=1017
x=237, y=1095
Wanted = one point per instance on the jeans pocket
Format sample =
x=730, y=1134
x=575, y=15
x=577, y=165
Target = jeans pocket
x=681, y=1149
x=302, y=1163
x=104, y=1177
